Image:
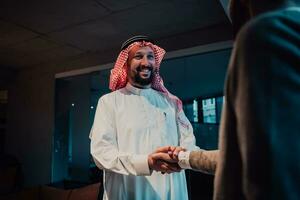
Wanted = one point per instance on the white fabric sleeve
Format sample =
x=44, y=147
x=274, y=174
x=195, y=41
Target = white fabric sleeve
x=104, y=144
x=184, y=159
x=186, y=135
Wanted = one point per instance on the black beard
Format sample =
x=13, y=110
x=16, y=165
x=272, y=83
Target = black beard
x=141, y=81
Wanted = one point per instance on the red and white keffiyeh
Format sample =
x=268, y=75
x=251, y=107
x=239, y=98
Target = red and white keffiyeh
x=118, y=76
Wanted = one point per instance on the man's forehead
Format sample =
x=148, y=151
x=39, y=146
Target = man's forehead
x=143, y=49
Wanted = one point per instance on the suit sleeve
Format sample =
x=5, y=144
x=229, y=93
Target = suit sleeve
x=204, y=161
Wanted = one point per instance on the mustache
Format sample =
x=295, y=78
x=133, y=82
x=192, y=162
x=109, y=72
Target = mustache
x=140, y=68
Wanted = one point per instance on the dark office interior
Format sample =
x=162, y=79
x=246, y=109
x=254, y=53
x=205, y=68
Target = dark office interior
x=55, y=61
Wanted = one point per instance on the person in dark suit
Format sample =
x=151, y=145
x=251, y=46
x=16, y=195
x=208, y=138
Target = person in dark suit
x=259, y=151
x=259, y=143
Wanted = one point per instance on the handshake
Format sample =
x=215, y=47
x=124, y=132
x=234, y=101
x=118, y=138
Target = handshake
x=165, y=159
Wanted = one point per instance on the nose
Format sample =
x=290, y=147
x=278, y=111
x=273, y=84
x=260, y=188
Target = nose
x=145, y=61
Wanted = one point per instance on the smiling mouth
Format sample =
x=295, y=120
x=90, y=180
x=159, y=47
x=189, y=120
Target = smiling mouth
x=144, y=69
x=144, y=72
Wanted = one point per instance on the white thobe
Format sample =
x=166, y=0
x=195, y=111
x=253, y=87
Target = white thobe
x=130, y=124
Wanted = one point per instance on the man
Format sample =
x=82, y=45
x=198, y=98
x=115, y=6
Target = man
x=135, y=119
x=259, y=147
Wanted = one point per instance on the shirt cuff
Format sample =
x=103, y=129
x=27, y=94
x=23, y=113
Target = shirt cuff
x=184, y=159
x=141, y=166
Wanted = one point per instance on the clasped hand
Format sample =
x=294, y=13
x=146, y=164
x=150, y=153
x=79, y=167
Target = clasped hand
x=165, y=159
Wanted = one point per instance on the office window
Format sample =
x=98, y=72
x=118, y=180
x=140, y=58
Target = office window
x=191, y=110
x=195, y=111
x=212, y=109
x=209, y=110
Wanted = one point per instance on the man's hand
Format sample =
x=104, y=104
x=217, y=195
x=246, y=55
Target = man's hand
x=175, y=151
x=162, y=160
x=168, y=153
x=165, y=159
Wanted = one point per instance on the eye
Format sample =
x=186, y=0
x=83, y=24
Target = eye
x=138, y=57
x=151, y=57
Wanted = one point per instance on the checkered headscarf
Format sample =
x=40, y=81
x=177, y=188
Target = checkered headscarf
x=118, y=76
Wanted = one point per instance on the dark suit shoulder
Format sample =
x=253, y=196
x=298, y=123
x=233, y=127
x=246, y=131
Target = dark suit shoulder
x=270, y=28
x=269, y=39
